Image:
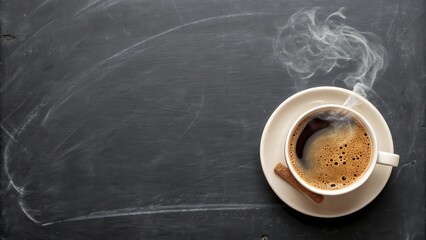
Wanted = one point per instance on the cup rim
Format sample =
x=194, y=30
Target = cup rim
x=350, y=187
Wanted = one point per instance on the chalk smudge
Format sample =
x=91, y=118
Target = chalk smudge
x=104, y=66
x=150, y=210
x=120, y=57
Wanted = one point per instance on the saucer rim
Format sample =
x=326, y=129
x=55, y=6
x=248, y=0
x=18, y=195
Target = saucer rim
x=369, y=107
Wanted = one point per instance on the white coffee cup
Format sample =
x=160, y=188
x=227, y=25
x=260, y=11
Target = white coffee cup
x=378, y=157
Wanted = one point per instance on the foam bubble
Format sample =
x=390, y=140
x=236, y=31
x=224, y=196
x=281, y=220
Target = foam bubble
x=333, y=155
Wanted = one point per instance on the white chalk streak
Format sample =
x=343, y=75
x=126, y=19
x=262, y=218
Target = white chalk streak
x=31, y=37
x=25, y=211
x=53, y=109
x=39, y=6
x=14, y=110
x=64, y=140
x=8, y=133
x=82, y=143
x=12, y=138
x=410, y=164
x=98, y=4
x=6, y=170
x=151, y=210
x=10, y=79
x=5, y=159
x=88, y=6
x=177, y=11
x=195, y=118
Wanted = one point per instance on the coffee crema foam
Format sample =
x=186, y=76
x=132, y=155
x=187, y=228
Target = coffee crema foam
x=333, y=157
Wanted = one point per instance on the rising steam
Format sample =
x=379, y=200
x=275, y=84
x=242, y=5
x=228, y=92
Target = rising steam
x=306, y=45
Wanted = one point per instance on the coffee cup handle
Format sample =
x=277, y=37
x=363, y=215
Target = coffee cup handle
x=389, y=159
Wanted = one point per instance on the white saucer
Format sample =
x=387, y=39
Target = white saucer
x=272, y=152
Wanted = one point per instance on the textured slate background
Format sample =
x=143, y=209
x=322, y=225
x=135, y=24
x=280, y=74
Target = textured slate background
x=138, y=119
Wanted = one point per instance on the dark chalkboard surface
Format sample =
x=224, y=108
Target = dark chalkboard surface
x=128, y=119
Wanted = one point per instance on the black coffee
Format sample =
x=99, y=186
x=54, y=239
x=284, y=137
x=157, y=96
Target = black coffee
x=330, y=150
